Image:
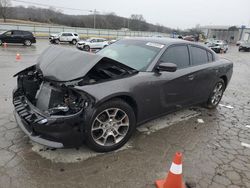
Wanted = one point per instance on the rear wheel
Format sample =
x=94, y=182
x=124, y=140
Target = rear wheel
x=111, y=126
x=27, y=43
x=74, y=41
x=216, y=95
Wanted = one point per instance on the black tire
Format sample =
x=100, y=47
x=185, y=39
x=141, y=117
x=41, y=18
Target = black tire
x=74, y=42
x=115, y=103
x=210, y=104
x=86, y=48
x=56, y=41
x=27, y=42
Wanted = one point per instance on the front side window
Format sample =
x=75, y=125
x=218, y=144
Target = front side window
x=199, y=55
x=177, y=55
x=9, y=33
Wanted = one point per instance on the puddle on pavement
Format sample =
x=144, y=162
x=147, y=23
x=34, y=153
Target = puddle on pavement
x=167, y=121
x=72, y=155
x=83, y=153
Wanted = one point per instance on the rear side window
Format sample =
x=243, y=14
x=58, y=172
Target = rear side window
x=199, y=55
x=75, y=34
x=17, y=33
x=27, y=33
x=178, y=55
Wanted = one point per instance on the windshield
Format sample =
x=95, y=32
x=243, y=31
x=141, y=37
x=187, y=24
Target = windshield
x=133, y=53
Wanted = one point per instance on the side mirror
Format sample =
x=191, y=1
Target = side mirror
x=168, y=67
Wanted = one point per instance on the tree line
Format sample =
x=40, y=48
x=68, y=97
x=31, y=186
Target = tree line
x=136, y=22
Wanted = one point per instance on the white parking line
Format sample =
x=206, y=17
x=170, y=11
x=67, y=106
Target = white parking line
x=245, y=145
x=226, y=106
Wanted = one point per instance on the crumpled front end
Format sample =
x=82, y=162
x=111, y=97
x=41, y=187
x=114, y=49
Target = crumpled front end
x=49, y=113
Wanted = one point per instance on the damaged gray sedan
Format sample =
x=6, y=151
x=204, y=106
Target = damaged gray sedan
x=71, y=96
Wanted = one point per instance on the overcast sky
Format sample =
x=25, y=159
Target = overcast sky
x=171, y=13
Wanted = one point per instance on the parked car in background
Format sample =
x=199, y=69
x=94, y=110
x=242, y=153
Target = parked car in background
x=112, y=41
x=70, y=37
x=189, y=38
x=92, y=43
x=70, y=96
x=239, y=42
x=245, y=47
x=218, y=46
x=17, y=36
x=209, y=41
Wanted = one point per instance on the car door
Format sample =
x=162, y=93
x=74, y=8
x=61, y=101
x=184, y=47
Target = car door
x=8, y=37
x=69, y=37
x=204, y=73
x=63, y=37
x=175, y=88
x=94, y=43
x=17, y=36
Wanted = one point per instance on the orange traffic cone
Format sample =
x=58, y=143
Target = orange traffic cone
x=18, y=57
x=5, y=45
x=174, y=177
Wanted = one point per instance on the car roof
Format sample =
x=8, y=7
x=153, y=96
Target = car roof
x=162, y=40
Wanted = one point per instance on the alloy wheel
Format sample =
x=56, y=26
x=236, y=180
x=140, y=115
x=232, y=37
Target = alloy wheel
x=217, y=93
x=27, y=42
x=110, y=127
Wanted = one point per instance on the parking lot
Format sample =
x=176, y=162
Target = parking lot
x=216, y=152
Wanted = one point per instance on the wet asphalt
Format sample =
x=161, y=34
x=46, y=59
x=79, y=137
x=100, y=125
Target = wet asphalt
x=216, y=152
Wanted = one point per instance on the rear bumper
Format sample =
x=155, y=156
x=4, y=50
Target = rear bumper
x=56, y=132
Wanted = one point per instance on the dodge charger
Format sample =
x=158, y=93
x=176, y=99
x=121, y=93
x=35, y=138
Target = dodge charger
x=70, y=97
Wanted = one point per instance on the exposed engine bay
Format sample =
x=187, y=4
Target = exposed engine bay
x=60, y=98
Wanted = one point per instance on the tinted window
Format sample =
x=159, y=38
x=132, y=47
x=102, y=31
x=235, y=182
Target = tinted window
x=27, y=33
x=17, y=33
x=75, y=34
x=177, y=55
x=69, y=34
x=199, y=55
x=93, y=40
x=64, y=34
x=9, y=33
x=210, y=56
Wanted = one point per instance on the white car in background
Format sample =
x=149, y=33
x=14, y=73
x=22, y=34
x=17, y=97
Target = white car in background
x=70, y=37
x=92, y=43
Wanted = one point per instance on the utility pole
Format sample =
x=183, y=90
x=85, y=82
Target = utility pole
x=94, y=18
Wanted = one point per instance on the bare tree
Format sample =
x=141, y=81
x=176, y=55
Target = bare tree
x=4, y=5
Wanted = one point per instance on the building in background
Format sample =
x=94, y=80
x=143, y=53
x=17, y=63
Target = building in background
x=232, y=34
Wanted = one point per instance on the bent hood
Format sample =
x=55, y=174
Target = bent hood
x=64, y=64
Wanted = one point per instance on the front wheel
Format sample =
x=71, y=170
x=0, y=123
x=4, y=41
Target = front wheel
x=86, y=48
x=111, y=126
x=216, y=95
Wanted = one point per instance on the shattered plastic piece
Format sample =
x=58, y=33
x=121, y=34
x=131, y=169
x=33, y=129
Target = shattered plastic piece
x=227, y=106
x=200, y=121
